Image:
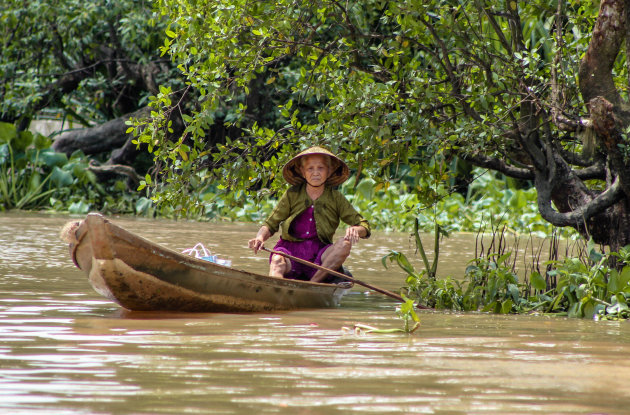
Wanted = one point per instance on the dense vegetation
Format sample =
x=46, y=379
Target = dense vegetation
x=87, y=62
x=35, y=177
x=451, y=116
x=581, y=286
x=402, y=89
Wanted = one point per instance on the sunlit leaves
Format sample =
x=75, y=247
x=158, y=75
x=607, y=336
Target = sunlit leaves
x=384, y=84
x=34, y=176
x=63, y=56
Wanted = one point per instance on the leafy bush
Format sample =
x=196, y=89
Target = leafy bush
x=396, y=206
x=33, y=176
x=585, y=288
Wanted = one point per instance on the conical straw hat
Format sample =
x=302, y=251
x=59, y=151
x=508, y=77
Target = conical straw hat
x=338, y=174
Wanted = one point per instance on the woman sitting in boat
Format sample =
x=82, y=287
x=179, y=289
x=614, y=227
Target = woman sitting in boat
x=309, y=213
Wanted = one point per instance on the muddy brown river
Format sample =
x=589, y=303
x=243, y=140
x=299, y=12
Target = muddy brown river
x=64, y=349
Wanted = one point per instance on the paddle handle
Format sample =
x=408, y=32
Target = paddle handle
x=344, y=276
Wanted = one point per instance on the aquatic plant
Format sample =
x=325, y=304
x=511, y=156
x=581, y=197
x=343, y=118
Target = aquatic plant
x=591, y=285
x=33, y=176
x=398, y=207
x=406, y=311
x=29, y=170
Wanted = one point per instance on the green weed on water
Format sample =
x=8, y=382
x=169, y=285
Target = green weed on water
x=584, y=287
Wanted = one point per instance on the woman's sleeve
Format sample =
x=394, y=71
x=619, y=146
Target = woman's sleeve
x=279, y=213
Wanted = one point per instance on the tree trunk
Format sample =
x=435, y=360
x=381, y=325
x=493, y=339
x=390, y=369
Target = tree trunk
x=100, y=139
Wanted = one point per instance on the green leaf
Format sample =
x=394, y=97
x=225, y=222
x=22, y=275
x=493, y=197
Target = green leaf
x=366, y=188
x=51, y=158
x=503, y=258
x=623, y=280
x=7, y=132
x=593, y=255
x=492, y=307
x=23, y=140
x=61, y=178
x=143, y=206
x=41, y=142
x=79, y=208
x=34, y=182
x=537, y=281
x=514, y=293
x=614, y=282
x=589, y=310
x=575, y=310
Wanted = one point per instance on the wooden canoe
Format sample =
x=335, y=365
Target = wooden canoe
x=143, y=276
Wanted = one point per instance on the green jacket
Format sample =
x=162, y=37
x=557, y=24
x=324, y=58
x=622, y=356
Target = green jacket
x=329, y=208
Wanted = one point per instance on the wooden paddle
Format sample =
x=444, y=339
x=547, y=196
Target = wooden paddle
x=344, y=276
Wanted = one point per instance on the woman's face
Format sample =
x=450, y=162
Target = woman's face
x=315, y=169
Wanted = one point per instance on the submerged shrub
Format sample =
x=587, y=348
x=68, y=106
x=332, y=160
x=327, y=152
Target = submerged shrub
x=580, y=287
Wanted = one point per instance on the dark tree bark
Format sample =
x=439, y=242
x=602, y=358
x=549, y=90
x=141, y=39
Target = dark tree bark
x=99, y=139
x=595, y=74
x=114, y=171
x=564, y=199
x=604, y=216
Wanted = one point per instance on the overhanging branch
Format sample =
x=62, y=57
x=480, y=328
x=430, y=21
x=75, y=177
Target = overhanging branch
x=499, y=165
x=584, y=212
x=595, y=172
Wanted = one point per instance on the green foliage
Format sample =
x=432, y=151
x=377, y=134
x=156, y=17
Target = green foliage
x=490, y=199
x=27, y=169
x=407, y=313
x=398, y=207
x=585, y=288
x=33, y=176
x=429, y=291
x=595, y=289
x=387, y=85
x=492, y=286
x=78, y=60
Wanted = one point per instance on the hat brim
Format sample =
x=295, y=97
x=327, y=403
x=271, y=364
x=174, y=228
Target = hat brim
x=339, y=171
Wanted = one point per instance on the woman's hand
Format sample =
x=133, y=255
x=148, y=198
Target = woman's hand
x=257, y=243
x=353, y=233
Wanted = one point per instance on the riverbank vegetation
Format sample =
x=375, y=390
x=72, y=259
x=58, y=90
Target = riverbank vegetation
x=579, y=282
x=33, y=176
x=452, y=117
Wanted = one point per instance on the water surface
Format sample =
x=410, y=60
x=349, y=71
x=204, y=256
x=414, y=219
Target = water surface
x=66, y=350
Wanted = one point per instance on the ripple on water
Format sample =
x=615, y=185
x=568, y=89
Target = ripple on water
x=66, y=350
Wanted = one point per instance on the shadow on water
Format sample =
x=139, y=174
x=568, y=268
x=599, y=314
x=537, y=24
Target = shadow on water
x=66, y=350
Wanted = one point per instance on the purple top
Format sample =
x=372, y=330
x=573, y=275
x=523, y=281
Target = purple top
x=303, y=226
x=310, y=249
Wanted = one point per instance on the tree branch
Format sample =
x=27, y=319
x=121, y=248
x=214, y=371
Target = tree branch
x=91, y=140
x=448, y=66
x=595, y=73
x=573, y=158
x=104, y=172
x=595, y=172
x=496, y=27
x=578, y=217
x=501, y=166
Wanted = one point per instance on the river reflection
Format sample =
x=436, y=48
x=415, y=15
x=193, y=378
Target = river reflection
x=66, y=350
